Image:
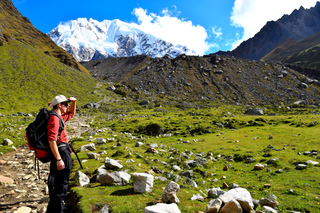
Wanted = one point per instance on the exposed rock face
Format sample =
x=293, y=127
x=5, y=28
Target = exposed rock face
x=193, y=77
x=298, y=25
x=89, y=40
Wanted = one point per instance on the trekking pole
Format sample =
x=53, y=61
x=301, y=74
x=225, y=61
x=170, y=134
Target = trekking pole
x=76, y=156
x=36, y=164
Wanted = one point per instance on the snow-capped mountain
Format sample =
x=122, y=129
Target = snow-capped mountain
x=90, y=40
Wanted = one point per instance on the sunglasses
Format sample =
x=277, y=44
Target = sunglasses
x=65, y=104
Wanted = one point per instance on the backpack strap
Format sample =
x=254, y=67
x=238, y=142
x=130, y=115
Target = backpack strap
x=62, y=123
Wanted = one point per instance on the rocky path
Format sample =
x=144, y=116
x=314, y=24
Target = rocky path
x=20, y=188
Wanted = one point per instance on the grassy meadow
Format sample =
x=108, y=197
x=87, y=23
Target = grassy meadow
x=199, y=127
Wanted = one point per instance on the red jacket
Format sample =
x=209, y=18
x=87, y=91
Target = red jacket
x=53, y=128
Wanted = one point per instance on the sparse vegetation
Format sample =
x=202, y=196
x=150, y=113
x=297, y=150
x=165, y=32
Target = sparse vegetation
x=224, y=130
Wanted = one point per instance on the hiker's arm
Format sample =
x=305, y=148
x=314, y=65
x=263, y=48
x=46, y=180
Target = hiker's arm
x=73, y=105
x=55, y=151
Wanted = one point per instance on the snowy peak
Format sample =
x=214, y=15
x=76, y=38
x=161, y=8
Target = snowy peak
x=90, y=40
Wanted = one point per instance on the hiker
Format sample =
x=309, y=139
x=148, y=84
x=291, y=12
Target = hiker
x=60, y=164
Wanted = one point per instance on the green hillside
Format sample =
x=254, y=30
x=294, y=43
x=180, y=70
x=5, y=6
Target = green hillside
x=30, y=78
x=281, y=51
x=308, y=58
x=304, y=53
x=14, y=26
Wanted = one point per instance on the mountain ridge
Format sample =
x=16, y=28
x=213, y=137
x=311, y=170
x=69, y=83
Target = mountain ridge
x=216, y=78
x=91, y=40
x=14, y=26
x=298, y=25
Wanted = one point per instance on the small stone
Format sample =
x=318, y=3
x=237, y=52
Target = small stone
x=267, y=185
x=225, y=185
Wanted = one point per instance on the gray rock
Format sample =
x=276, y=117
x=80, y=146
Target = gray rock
x=170, y=193
x=101, y=141
x=215, y=192
x=91, y=105
x=232, y=206
x=161, y=178
x=268, y=209
x=241, y=195
x=145, y=102
x=105, y=209
x=214, y=206
x=90, y=147
x=111, y=88
x=258, y=166
x=233, y=186
x=256, y=111
x=312, y=162
x=270, y=201
x=189, y=153
x=138, y=144
x=299, y=102
x=201, y=161
x=111, y=139
x=83, y=179
x=112, y=164
x=250, y=160
x=153, y=145
x=192, y=183
x=187, y=174
x=197, y=197
x=92, y=155
x=142, y=182
x=304, y=85
x=301, y=166
x=176, y=168
x=162, y=208
x=114, y=179
x=7, y=142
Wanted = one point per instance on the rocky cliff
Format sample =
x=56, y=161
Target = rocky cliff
x=298, y=25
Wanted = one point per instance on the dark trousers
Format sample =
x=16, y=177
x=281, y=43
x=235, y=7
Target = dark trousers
x=58, y=182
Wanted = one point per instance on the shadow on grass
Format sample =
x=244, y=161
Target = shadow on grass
x=123, y=192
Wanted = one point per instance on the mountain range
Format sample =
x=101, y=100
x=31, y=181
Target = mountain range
x=290, y=39
x=91, y=40
x=33, y=69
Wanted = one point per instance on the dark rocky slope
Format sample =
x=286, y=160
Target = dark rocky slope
x=298, y=25
x=218, y=78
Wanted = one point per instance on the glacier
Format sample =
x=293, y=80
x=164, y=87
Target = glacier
x=90, y=39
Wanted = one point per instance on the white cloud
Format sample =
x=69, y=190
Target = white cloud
x=252, y=15
x=172, y=29
x=217, y=32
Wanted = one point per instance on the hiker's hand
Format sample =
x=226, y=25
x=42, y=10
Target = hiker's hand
x=72, y=99
x=60, y=165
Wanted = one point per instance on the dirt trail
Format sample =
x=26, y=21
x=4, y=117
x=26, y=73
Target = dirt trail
x=19, y=183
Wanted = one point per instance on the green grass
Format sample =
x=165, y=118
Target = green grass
x=249, y=139
x=30, y=79
x=221, y=129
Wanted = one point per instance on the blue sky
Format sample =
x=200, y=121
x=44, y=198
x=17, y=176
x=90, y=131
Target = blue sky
x=206, y=26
